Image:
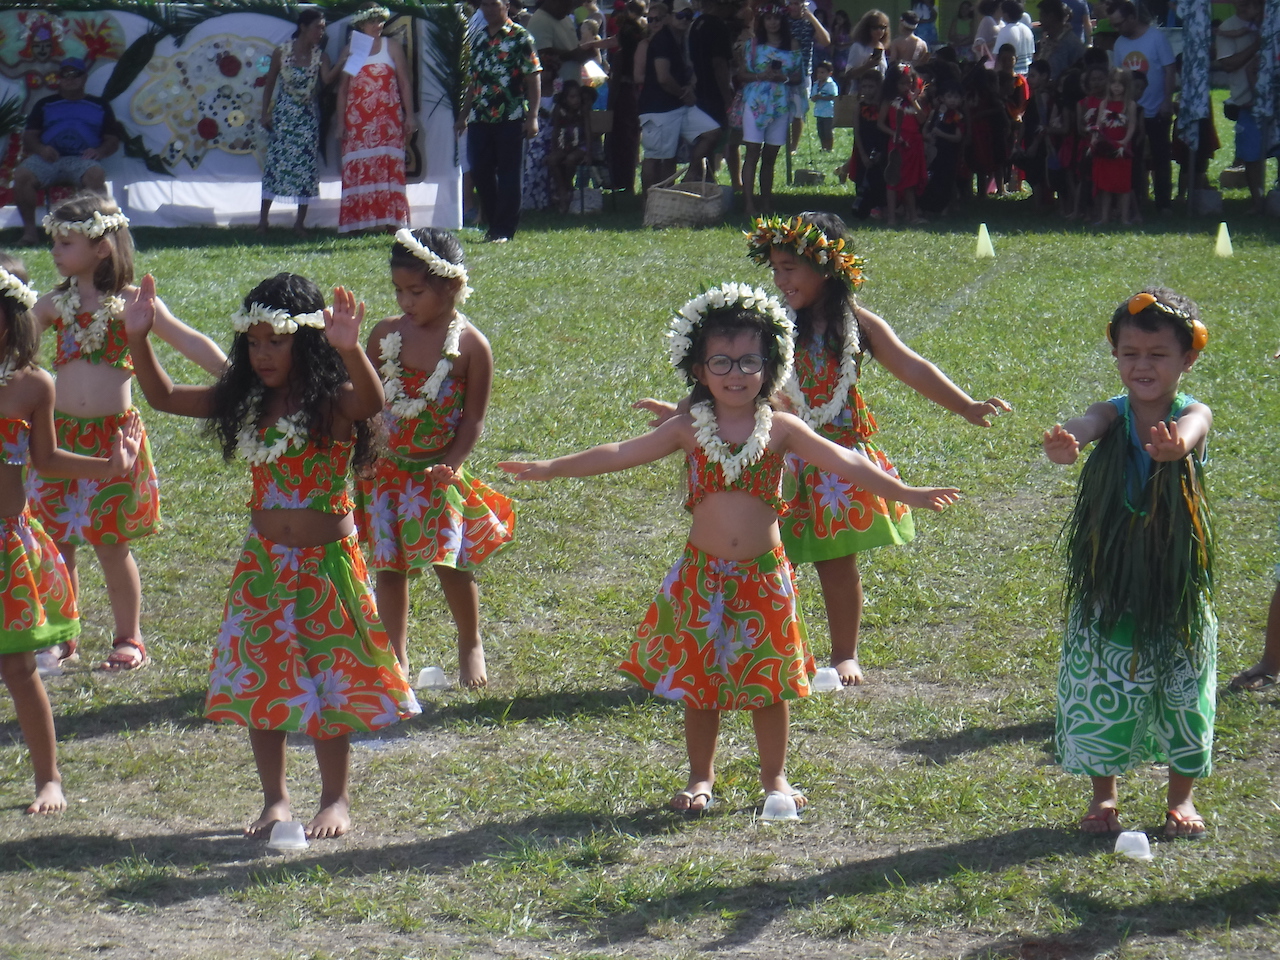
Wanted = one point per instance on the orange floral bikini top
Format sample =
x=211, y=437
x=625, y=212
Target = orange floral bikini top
x=114, y=350
x=302, y=475
x=762, y=479
x=14, y=434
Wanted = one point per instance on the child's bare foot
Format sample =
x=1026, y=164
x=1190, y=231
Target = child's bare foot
x=272, y=814
x=49, y=799
x=780, y=785
x=471, y=667
x=1183, y=821
x=694, y=798
x=1101, y=818
x=332, y=820
x=849, y=670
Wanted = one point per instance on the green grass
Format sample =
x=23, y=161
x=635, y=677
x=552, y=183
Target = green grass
x=529, y=819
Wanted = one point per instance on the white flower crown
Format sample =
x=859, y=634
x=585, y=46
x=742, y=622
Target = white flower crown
x=360, y=16
x=15, y=289
x=92, y=228
x=436, y=264
x=693, y=313
x=281, y=320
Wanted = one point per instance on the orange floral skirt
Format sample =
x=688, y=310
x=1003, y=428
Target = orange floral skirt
x=37, y=606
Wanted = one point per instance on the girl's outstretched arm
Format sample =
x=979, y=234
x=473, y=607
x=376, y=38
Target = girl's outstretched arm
x=1063, y=441
x=673, y=435
x=192, y=344
x=799, y=438
x=922, y=376
x=342, y=329
x=161, y=392
x=48, y=461
x=1173, y=441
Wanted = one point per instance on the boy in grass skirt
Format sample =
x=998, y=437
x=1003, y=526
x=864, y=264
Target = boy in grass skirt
x=1136, y=682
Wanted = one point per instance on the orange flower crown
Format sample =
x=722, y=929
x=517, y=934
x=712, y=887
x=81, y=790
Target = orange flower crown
x=1147, y=301
x=829, y=257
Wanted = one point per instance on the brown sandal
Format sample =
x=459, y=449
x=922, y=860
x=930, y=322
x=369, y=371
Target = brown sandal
x=127, y=653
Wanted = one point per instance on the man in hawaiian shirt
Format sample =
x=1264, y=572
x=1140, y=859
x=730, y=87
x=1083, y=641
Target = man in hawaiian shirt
x=499, y=113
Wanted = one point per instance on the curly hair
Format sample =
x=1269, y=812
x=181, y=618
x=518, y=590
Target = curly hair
x=836, y=305
x=1153, y=318
x=316, y=374
x=729, y=322
x=115, y=272
x=21, y=335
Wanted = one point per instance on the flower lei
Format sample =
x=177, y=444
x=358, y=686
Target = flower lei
x=6, y=371
x=798, y=236
x=281, y=321
x=398, y=401
x=93, y=336
x=360, y=16
x=821, y=416
x=691, y=315
x=15, y=289
x=256, y=451
x=92, y=228
x=705, y=431
x=436, y=264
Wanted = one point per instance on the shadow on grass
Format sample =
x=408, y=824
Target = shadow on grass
x=942, y=750
x=560, y=704
x=182, y=710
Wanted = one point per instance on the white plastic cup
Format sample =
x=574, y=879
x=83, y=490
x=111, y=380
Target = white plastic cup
x=432, y=678
x=825, y=680
x=779, y=806
x=1134, y=844
x=287, y=835
x=48, y=664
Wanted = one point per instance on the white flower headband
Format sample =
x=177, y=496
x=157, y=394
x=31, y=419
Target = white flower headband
x=693, y=313
x=436, y=264
x=382, y=13
x=92, y=228
x=12, y=287
x=281, y=320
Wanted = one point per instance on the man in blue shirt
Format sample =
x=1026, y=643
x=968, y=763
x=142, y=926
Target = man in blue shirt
x=66, y=136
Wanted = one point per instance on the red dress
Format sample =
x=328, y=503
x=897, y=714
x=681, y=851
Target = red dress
x=910, y=143
x=373, y=149
x=1111, y=174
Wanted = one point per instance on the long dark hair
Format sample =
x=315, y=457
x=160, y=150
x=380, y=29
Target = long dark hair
x=762, y=33
x=836, y=305
x=21, y=337
x=316, y=374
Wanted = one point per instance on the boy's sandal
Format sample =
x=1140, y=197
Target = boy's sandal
x=127, y=653
x=1184, y=828
x=1255, y=678
x=1109, y=818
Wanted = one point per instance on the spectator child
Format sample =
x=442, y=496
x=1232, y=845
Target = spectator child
x=945, y=131
x=870, y=147
x=1112, y=133
x=1138, y=670
x=900, y=119
x=568, y=148
x=824, y=93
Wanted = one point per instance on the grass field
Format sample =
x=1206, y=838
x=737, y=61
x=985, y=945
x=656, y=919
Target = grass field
x=529, y=820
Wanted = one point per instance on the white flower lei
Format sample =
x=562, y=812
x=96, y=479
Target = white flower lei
x=437, y=264
x=93, y=228
x=705, y=431
x=402, y=405
x=12, y=287
x=691, y=315
x=92, y=337
x=821, y=416
x=360, y=16
x=281, y=321
x=256, y=451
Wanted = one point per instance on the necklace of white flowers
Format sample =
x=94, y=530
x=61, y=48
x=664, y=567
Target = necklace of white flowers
x=257, y=452
x=15, y=289
x=680, y=339
x=91, y=337
x=401, y=404
x=821, y=416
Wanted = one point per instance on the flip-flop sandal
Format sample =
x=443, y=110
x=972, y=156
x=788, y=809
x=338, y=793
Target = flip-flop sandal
x=1107, y=817
x=122, y=660
x=1174, y=818
x=1253, y=679
x=690, y=810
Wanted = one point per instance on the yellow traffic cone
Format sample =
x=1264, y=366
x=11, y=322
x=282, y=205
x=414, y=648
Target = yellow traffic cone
x=985, y=249
x=1223, y=247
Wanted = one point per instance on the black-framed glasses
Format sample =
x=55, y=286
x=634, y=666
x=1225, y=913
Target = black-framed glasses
x=748, y=363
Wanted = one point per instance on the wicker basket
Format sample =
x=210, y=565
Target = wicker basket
x=695, y=204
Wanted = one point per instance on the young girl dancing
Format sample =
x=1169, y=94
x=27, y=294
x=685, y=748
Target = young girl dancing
x=92, y=248
x=420, y=508
x=724, y=632
x=301, y=647
x=37, y=605
x=1139, y=654
x=832, y=519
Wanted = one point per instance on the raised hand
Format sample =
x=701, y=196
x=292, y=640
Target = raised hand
x=140, y=308
x=981, y=413
x=342, y=320
x=1166, y=444
x=126, y=444
x=1060, y=446
x=661, y=410
x=527, y=470
x=933, y=498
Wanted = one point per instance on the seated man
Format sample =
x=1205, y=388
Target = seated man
x=66, y=135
